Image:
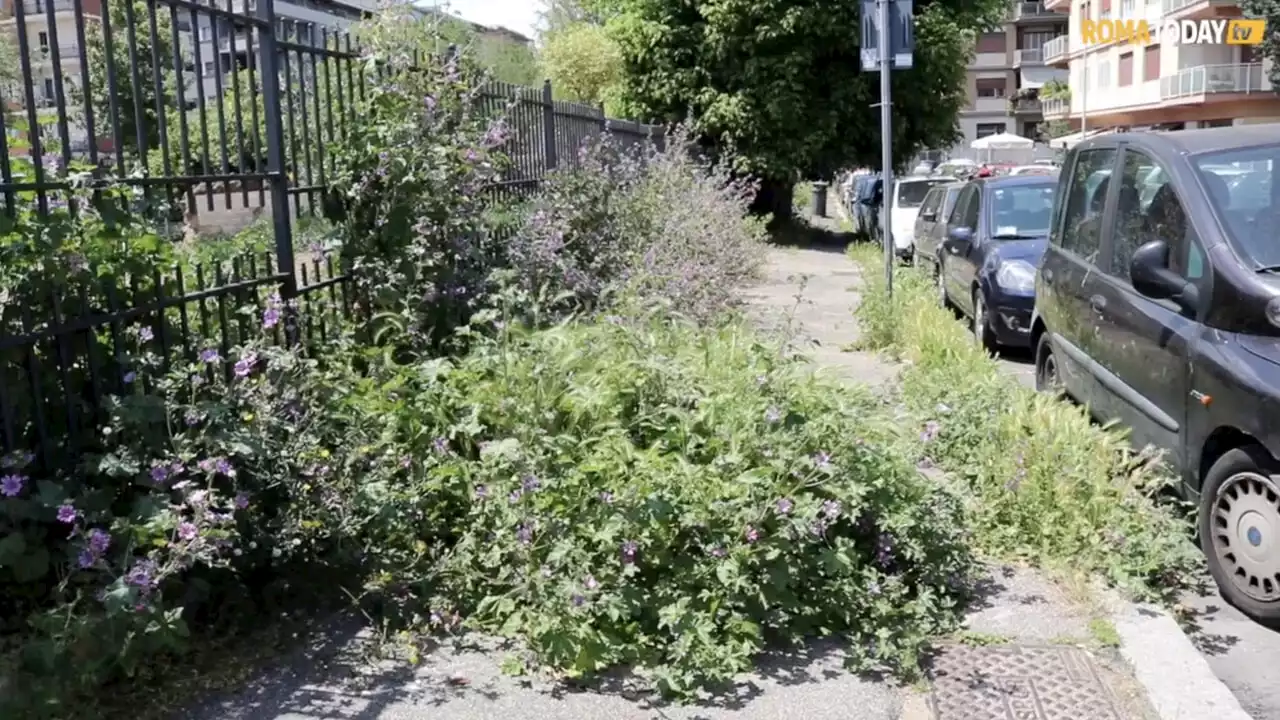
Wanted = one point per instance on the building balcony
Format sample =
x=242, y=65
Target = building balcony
x=1029, y=57
x=1190, y=9
x=38, y=7
x=1024, y=11
x=1058, y=6
x=1197, y=82
x=1056, y=52
x=1055, y=108
x=990, y=105
x=1025, y=106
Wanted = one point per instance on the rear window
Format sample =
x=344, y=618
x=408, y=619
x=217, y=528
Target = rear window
x=1022, y=209
x=912, y=194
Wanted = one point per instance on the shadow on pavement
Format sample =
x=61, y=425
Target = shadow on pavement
x=809, y=233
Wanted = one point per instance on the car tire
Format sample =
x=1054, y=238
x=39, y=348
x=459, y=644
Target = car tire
x=1239, y=528
x=1048, y=379
x=981, y=323
x=944, y=301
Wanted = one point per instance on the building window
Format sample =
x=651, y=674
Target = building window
x=48, y=90
x=1104, y=9
x=1034, y=40
x=208, y=69
x=43, y=38
x=1126, y=70
x=1226, y=122
x=1151, y=62
x=990, y=87
x=988, y=129
x=1104, y=75
x=992, y=42
x=1249, y=55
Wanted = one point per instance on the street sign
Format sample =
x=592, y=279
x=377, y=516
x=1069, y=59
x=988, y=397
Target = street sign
x=902, y=39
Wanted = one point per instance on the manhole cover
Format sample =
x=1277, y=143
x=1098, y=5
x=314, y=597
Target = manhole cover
x=1019, y=683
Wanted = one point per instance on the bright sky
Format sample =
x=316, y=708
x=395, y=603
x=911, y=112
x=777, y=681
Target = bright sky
x=518, y=15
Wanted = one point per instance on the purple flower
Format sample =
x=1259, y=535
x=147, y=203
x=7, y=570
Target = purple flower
x=884, y=549
x=751, y=534
x=440, y=445
x=210, y=356
x=930, y=431
x=515, y=496
x=241, y=502
x=822, y=460
x=12, y=484
x=772, y=415
x=142, y=574
x=496, y=135
x=482, y=492
x=187, y=531
x=578, y=600
x=99, y=541
x=159, y=473
x=831, y=509
x=606, y=497
x=785, y=506
x=146, y=334
x=129, y=377
x=223, y=466
x=86, y=559
x=270, y=317
x=819, y=528
x=67, y=513
x=430, y=102
x=524, y=534
x=718, y=551
x=531, y=483
x=590, y=583
x=191, y=418
x=17, y=460
x=244, y=365
x=629, y=550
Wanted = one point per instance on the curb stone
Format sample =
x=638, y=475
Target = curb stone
x=916, y=707
x=1177, y=679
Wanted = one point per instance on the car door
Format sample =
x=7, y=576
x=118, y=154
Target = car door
x=1069, y=277
x=1144, y=354
x=959, y=262
x=927, y=220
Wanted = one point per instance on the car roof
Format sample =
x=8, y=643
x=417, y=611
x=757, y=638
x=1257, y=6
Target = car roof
x=1004, y=181
x=919, y=178
x=1202, y=140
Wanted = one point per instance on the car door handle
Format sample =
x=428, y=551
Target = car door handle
x=1098, y=303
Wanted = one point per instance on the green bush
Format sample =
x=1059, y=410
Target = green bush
x=634, y=490
x=1046, y=485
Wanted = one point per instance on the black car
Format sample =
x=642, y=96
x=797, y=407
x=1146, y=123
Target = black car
x=1158, y=305
x=931, y=224
x=996, y=235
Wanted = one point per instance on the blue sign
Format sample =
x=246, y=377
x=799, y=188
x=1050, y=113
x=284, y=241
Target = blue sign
x=902, y=38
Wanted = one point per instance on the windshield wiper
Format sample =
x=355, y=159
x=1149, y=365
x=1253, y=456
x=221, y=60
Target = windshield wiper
x=1015, y=236
x=1268, y=269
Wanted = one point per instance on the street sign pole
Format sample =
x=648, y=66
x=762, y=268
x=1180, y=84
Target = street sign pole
x=886, y=142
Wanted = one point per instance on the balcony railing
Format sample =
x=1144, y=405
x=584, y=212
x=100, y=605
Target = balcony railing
x=1053, y=108
x=1029, y=56
x=34, y=7
x=1026, y=106
x=1026, y=10
x=1055, y=48
x=1212, y=79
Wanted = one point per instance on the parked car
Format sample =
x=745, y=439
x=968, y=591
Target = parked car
x=1159, y=307
x=863, y=194
x=931, y=224
x=996, y=234
x=908, y=196
x=1034, y=170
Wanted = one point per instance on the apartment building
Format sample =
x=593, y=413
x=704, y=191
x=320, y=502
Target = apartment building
x=1007, y=69
x=1128, y=85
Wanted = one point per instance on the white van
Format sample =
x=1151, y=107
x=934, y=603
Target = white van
x=908, y=195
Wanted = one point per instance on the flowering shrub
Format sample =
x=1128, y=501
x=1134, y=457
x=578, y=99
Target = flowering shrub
x=642, y=222
x=637, y=491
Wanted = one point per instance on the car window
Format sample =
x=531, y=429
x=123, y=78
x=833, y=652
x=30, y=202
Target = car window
x=1142, y=181
x=1240, y=183
x=1021, y=210
x=949, y=202
x=931, y=202
x=956, y=216
x=911, y=194
x=1086, y=199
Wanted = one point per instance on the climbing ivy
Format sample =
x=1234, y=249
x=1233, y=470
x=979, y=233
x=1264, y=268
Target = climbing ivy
x=1270, y=48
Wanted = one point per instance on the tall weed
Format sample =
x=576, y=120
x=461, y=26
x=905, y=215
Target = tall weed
x=1046, y=484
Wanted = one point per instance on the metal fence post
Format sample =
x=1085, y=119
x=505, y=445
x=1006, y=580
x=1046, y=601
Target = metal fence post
x=281, y=224
x=549, y=125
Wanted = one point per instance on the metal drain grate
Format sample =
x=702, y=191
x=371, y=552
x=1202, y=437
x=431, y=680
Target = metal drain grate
x=1019, y=683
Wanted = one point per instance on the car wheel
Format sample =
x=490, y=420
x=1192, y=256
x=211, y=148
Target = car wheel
x=943, y=301
x=1047, y=378
x=982, y=331
x=1240, y=531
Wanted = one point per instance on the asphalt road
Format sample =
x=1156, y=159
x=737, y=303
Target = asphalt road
x=1243, y=654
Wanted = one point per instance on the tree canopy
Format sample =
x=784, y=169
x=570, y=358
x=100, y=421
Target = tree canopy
x=780, y=81
x=1270, y=48
x=583, y=63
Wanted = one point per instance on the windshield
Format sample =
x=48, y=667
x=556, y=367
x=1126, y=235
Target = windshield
x=911, y=194
x=1242, y=192
x=1022, y=209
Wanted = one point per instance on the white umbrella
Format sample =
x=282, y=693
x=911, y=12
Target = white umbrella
x=1003, y=141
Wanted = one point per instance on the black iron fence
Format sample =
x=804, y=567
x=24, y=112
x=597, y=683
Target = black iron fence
x=158, y=118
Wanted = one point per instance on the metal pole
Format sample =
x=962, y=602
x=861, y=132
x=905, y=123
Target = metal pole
x=886, y=144
x=1084, y=94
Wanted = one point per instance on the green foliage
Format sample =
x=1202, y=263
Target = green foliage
x=504, y=58
x=583, y=64
x=1046, y=484
x=1055, y=90
x=1268, y=10
x=781, y=83
x=135, y=106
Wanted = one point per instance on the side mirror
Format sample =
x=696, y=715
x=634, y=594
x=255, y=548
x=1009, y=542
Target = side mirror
x=959, y=240
x=1150, y=274
x=930, y=216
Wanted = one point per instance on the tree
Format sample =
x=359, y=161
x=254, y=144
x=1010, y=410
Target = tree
x=1270, y=48
x=560, y=14
x=507, y=59
x=583, y=63
x=129, y=99
x=780, y=83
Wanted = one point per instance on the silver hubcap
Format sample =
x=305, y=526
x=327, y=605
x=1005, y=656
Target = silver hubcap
x=1245, y=523
x=1050, y=371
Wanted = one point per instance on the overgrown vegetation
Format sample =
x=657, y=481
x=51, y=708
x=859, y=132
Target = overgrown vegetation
x=1045, y=484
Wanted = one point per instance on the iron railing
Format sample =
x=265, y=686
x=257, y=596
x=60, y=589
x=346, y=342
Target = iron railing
x=1029, y=56
x=1029, y=10
x=154, y=142
x=1211, y=79
x=1055, y=49
x=1055, y=108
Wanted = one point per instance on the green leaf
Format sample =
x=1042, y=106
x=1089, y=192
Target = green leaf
x=12, y=546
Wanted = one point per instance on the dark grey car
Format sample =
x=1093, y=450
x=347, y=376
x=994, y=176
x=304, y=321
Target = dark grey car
x=1158, y=306
x=931, y=224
